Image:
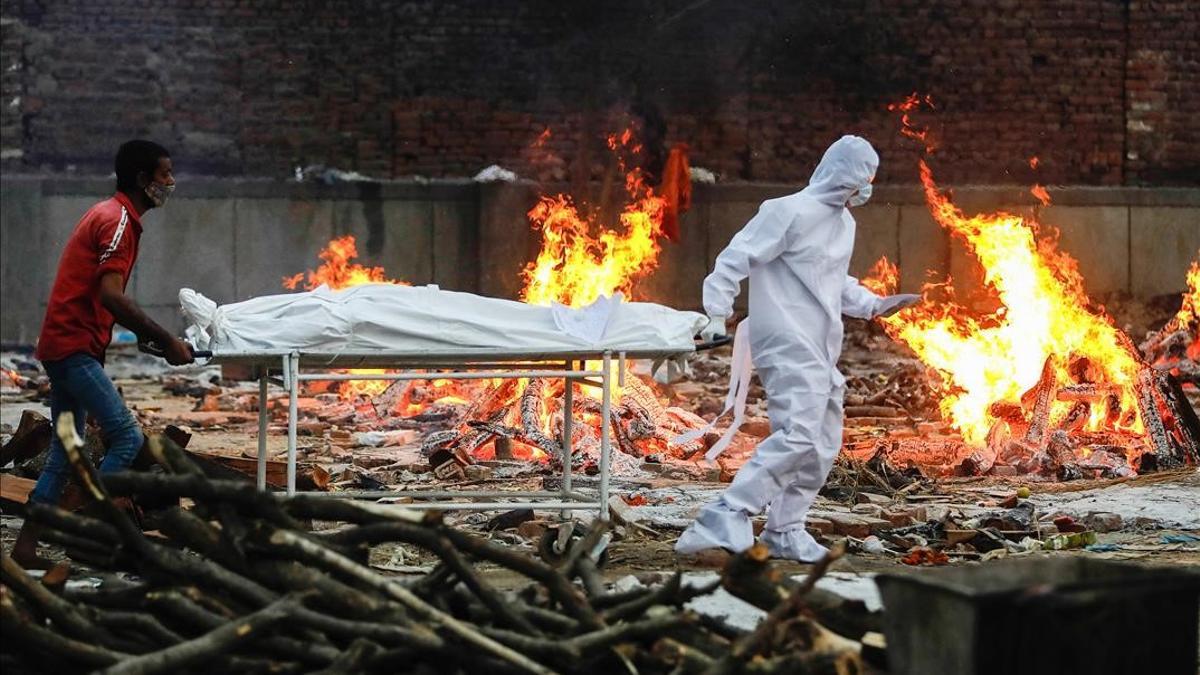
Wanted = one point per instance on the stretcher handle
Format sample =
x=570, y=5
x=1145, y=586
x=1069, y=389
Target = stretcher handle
x=153, y=349
x=714, y=343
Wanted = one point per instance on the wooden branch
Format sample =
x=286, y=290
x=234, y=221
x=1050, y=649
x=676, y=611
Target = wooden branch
x=751, y=577
x=436, y=542
x=74, y=523
x=332, y=595
x=182, y=606
x=416, y=637
x=64, y=614
x=672, y=593
x=554, y=581
x=140, y=626
x=197, y=487
x=316, y=554
x=684, y=658
x=171, y=563
x=353, y=659
x=634, y=630
x=208, y=646
x=756, y=641
x=47, y=641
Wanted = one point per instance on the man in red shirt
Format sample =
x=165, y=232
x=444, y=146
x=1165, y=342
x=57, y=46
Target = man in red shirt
x=88, y=297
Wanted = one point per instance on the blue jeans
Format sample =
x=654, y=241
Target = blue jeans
x=79, y=385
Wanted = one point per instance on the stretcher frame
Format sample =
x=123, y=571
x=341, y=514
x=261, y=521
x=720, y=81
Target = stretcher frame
x=459, y=365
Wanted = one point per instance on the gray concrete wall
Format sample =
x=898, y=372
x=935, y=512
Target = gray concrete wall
x=236, y=239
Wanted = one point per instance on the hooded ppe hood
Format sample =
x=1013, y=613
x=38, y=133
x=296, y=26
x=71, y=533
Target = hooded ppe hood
x=847, y=165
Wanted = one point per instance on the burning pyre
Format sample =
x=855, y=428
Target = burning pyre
x=1042, y=382
x=581, y=260
x=1045, y=380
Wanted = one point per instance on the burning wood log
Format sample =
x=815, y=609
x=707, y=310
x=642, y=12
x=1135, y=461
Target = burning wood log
x=1089, y=392
x=531, y=418
x=1061, y=457
x=256, y=592
x=1156, y=430
x=1184, y=416
x=1076, y=417
x=1040, y=398
x=1008, y=411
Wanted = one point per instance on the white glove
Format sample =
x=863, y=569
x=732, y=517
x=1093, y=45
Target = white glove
x=890, y=304
x=714, y=329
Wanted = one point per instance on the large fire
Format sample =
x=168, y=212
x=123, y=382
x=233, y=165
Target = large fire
x=1042, y=316
x=337, y=271
x=576, y=266
x=580, y=260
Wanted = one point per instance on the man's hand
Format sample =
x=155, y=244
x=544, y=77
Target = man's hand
x=178, y=353
x=891, y=304
x=714, y=329
x=128, y=314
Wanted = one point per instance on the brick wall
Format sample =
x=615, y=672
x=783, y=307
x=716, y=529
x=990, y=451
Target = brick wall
x=1104, y=92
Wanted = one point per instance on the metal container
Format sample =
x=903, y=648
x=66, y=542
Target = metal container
x=1045, y=616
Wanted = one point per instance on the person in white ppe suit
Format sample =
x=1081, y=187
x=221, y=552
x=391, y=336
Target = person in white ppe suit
x=796, y=252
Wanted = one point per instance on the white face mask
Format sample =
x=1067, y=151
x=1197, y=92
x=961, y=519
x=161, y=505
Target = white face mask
x=859, y=198
x=159, y=193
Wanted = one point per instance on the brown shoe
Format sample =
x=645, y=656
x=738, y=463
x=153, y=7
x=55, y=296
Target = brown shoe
x=24, y=550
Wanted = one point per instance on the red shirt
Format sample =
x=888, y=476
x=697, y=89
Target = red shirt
x=105, y=240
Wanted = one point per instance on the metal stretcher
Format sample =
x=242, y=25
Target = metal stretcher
x=289, y=368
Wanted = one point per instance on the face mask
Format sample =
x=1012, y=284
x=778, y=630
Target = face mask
x=159, y=193
x=859, y=198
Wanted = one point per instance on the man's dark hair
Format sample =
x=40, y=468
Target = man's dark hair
x=135, y=157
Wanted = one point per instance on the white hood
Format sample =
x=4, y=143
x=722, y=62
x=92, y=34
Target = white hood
x=848, y=165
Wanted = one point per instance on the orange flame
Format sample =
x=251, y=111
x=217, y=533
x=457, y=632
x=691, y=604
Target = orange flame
x=1040, y=193
x=1188, y=316
x=883, y=278
x=337, y=271
x=575, y=267
x=1042, y=311
x=906, y=108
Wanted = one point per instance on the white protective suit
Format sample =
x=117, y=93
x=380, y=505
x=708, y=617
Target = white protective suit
x=796, y=252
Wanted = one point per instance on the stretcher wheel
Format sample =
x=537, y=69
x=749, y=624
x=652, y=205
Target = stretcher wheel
x=549, y=545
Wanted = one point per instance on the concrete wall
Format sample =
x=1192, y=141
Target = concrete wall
x=236, y=239
x=233, y=240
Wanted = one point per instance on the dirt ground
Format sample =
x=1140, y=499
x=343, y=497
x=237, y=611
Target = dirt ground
x=1151, y=519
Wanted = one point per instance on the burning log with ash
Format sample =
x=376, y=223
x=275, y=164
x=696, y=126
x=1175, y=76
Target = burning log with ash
x=525, y=421
x=580, y=261
x=1176, y=347
x=238, y=583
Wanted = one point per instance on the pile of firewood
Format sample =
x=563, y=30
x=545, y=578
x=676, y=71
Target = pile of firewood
x=514, y=410
x=1025, y=436
x=1176, y=349
x=239, y=583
